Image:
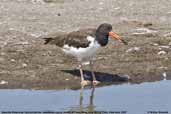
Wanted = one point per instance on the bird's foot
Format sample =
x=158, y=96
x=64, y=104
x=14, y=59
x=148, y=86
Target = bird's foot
x=85, y=82
x=95, y=82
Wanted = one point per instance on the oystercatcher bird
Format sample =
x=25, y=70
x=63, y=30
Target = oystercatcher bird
x=83, y=45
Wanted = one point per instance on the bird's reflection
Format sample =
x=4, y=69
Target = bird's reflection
x=90, y=107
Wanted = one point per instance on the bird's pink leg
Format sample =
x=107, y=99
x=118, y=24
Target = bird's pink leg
x=83, y=82
x=95, y=82
x=81, y=72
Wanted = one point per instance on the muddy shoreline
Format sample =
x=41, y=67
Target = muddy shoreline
x=26, y=63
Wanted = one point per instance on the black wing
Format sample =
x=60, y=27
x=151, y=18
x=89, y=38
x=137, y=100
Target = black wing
x=75, y=39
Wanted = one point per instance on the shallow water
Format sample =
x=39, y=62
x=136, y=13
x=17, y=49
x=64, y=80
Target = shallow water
x=134, y=99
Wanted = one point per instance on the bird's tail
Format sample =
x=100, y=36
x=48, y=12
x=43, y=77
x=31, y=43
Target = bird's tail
x=47, y=40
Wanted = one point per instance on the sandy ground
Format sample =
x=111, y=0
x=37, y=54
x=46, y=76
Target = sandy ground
x=26, y=63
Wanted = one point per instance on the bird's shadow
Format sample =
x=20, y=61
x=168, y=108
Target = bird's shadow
x=100, y=76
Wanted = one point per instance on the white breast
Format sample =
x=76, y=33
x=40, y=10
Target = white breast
x=83, y=54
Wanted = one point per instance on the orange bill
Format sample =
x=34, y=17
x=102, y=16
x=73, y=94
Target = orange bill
x=117, y=37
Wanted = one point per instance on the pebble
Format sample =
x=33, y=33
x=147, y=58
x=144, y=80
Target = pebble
x=22, y=43
x=166, y=58
x=155, y=44
x=38, y=1
x=134, y=49
x=162, y=67
x=66, y=79
x=161, y=53
x=144, y=31
x=160, y=48
x=24, y=65
x=35, y=35
x=167, y=34
x=86, y=63
x=167, y=47
x=32, y=76
x=3, y=82
x=117, y=8
x=102, y=58
x=11, y=29
x=12, y=60
x=127, y=76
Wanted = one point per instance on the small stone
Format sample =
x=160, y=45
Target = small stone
x=12, y=60
x=22, y=43
x=155, y=44
x=166, y=47
x=167, y=34
x=38, y=1
x=161, y=53
x=162, y=67
x=144, y=31
x=102, y=58
x=86, y=63
x=24, y=65
x=36, y=35
x=66, y=79
x=32, y=76
x=11, y=29
x=127, y=76
x=3, y=82
x=134, y=49
x=160, y=48
x=117, y=8
x=166, y=58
